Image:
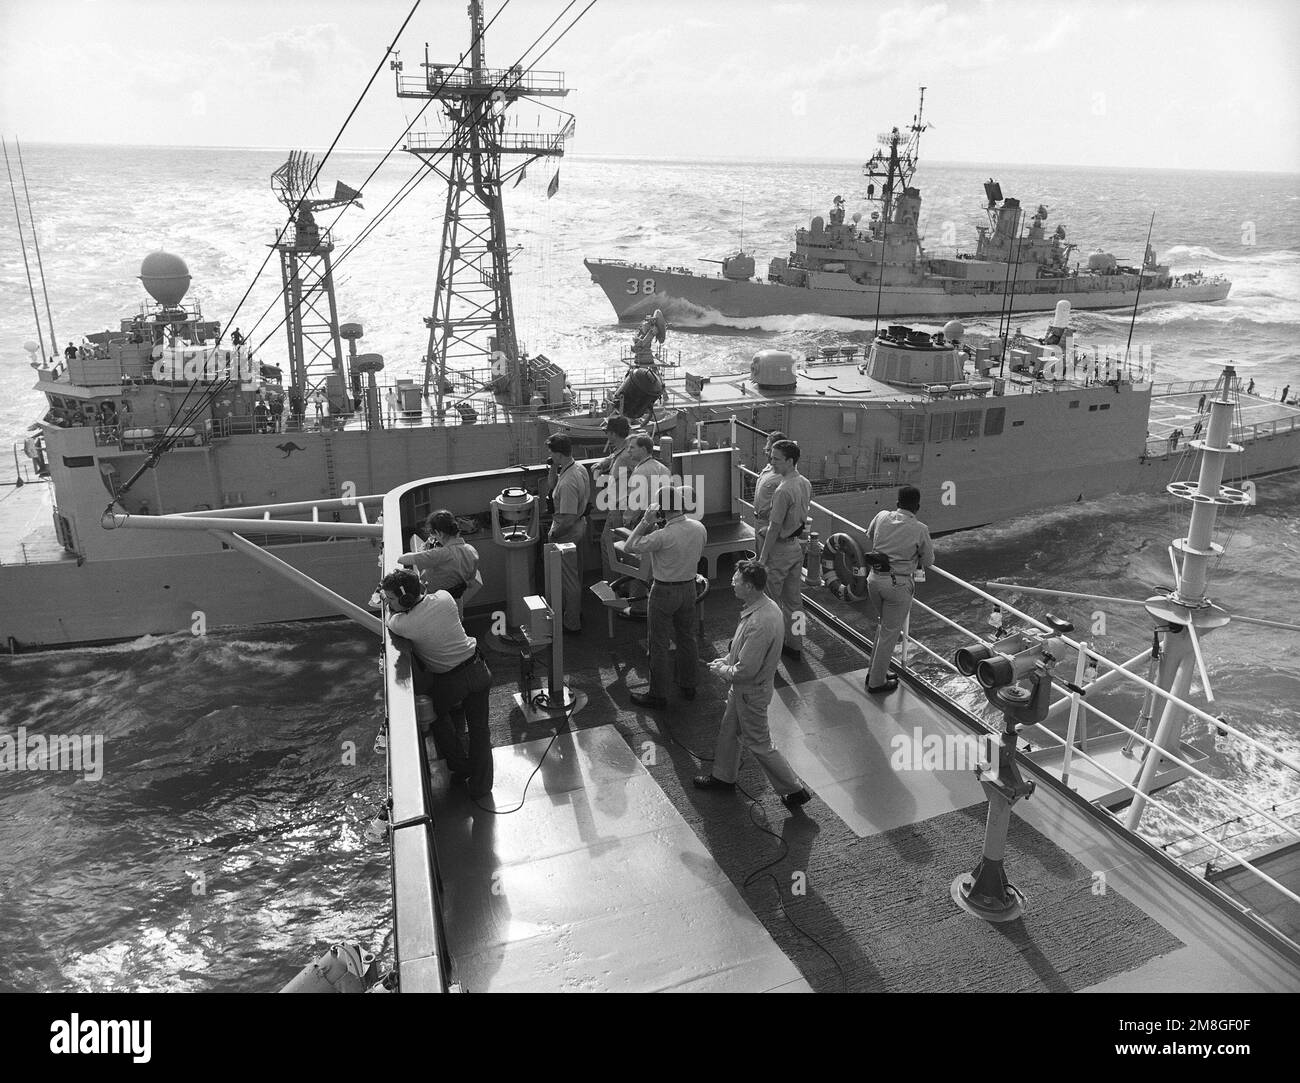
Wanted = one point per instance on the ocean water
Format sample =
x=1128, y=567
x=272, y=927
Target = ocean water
x=226, y=846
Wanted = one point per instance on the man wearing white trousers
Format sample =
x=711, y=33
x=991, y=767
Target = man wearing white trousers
x=750, y=668
x=782, y=541
x=905, y=540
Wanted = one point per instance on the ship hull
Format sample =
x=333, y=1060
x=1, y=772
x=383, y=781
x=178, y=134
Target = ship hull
x=150, y=586
x=635, y=291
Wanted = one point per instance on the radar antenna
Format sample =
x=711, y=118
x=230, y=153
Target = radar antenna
x=473, y=310
x=311, y=321
x=895, y=160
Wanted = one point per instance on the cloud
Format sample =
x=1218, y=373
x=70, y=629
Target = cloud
x=909, y=41
x=1049, y=41
x=637, y=57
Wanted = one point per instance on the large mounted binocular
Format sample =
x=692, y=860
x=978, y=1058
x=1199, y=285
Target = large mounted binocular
x=1014, y=657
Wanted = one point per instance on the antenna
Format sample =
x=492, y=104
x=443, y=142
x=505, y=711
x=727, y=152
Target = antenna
x=311, y=323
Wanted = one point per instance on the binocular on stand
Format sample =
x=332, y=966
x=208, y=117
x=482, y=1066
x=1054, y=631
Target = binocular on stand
x=1015, y=675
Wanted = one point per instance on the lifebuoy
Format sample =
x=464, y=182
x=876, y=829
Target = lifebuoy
x=844, y=567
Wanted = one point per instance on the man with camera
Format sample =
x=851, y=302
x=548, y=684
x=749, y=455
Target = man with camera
x=448, y=667
x=447, y=562
x=675, y=546
x=904, y=541
x=750, y=669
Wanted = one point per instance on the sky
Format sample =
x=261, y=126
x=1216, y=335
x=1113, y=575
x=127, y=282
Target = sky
x=1178, y=84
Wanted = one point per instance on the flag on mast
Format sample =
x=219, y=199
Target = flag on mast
x=554, y=186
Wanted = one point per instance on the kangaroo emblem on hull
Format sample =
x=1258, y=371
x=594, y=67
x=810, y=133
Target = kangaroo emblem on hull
x=289, y=448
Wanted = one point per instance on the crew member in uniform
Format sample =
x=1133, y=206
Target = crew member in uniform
x=453, y=674
x=768, y=480
x=616, y=467
x=675, y=548
x=905, y=540
x=448, y=562
x=750, y=669
x=570, y=495
x=782, y=547
x=648, y=479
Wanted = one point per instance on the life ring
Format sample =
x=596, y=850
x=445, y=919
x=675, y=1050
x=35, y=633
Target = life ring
x=844, y=567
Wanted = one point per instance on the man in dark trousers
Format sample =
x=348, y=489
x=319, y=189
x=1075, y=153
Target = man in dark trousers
x=450, y=671
x=905, y=540
x=675, y=549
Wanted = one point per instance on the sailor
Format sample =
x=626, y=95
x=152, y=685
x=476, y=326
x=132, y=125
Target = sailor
x=236, y=339
x=750, y=669
x=768, y=480
x=449, y=668
x=647, y=480
x=782, y=541
x=70, y=353
x=570, y=495
x=1285, y=392
x=390, y=404
x=447, y=562
x=648, y=476
x=318, y=401
x=1250, y=387
x=677, y=546
x=419, y=539
x=905, y=540
x=615, y=467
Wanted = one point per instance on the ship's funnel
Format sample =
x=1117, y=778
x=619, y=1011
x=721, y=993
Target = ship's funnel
x=166, y=278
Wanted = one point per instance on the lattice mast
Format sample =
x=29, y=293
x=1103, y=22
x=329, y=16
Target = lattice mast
x=473, y=319
x=894, y=162
x=311, y=320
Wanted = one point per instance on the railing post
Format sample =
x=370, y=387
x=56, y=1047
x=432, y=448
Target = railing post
x=1081, y=664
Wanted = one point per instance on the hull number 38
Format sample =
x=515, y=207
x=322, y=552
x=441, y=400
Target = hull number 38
x=640, y=285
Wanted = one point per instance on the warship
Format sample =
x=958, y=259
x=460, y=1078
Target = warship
x=594, y=865
x=614, y=875
x=879, y=269
x=165, y=417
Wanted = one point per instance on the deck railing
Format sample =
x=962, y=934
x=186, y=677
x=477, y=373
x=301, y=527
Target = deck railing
x=927, y=659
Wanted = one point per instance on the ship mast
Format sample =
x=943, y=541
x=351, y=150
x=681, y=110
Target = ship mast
x=892, y=168
x=311, y=319
x=473, y=316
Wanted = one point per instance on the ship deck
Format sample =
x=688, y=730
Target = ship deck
x=26, y=527
x=607, y=870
